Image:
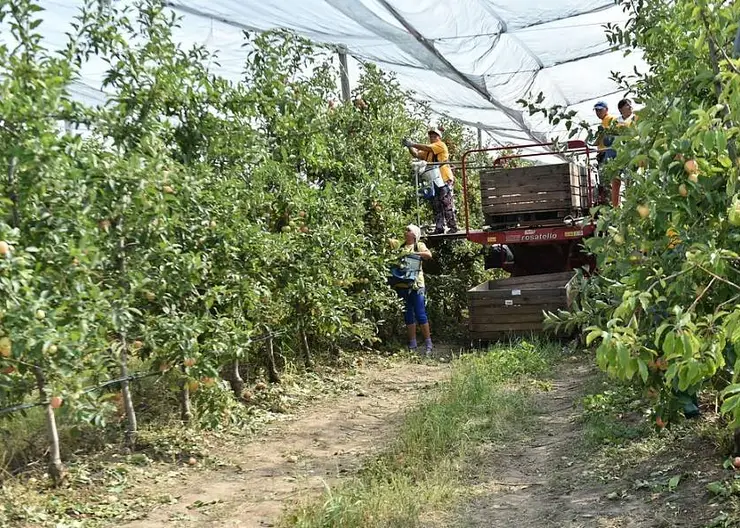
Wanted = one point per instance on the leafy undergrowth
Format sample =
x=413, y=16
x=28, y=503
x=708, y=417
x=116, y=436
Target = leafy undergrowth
x=487, y=399
x=101, y=479
x=685, y=465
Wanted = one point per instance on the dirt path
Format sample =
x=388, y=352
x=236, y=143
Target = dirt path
x=549, y=480
x=296, y=458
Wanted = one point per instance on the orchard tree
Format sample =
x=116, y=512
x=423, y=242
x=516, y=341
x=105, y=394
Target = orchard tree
x=664, y=309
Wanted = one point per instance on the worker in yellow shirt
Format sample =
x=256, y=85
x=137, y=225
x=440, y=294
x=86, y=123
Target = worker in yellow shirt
x=436, y=152
x=604, y=143
x=604, y=139
x=626, y=118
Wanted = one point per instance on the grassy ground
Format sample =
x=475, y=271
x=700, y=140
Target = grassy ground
x=688, y=463
x=100, y=469
x=487, y=399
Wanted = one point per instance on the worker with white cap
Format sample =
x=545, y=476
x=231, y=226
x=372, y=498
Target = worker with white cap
x=436, y=152
x=413, y=296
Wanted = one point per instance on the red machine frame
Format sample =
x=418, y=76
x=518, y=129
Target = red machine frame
x=529, y=235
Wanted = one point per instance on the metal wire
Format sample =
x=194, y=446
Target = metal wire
x=133, y=377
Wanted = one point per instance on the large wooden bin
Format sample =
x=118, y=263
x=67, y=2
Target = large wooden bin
x=533, y=195
x=515, y=305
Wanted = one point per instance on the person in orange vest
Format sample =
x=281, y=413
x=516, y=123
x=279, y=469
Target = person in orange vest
x=436, y=152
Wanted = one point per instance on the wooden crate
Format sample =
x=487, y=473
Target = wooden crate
x=533, y=195
x=515, y=305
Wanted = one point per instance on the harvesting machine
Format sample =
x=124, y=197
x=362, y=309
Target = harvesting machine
x=535, y=220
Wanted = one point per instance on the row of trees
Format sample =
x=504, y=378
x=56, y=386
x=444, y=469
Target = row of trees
x=664, y=310
x=199, y=227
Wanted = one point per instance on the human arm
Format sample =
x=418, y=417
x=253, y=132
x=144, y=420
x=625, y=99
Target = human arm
x=417, y=150
x=423, y=251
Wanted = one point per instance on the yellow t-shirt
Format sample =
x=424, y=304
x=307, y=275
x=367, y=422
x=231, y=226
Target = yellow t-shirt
x=606, y=123
x=420, y=246
x=440, y=149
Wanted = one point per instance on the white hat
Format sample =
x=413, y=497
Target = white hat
x=434, y=130
x=415, y=230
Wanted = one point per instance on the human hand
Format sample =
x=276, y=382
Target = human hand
x=406, y=142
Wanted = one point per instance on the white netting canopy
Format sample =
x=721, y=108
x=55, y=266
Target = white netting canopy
x=472, y=59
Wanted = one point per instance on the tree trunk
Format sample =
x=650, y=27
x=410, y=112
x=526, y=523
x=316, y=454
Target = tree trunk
x=186, y=413
x=272, y=372
x=128, y=403
x=307, y=351
x=714, y=59
x=56, y=468
x=234, y=378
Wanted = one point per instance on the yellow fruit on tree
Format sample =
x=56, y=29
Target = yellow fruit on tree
x=733, y=213
x=673, y=238
x=694, y=177
x=4, y=248
x=5, y=346
x=690, y=166
x=643, y=210
x=618, y=239
x=682, y=190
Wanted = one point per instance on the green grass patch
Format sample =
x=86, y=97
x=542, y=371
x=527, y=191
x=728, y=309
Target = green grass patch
x=488, y=398
x=613, y=413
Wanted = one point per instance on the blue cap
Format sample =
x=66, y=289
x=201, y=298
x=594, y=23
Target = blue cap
x=601, y=105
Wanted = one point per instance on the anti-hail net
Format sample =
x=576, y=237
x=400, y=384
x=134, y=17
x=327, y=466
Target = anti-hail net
x=471, y=59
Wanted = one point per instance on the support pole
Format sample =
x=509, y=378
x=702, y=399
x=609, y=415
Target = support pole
x=344, y=73
x=480, y=138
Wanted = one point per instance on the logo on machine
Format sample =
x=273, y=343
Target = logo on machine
x=491, y=239
x=534, y=236
x=574, y=233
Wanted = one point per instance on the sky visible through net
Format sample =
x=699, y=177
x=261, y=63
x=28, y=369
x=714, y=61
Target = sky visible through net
x=471, y=59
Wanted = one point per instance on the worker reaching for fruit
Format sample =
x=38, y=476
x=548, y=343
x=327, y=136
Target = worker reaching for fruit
x=436, y=152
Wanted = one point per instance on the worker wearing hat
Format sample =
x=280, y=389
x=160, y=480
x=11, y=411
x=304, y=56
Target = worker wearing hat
x=414, y=297
x=602, y=112
x=436, y=152
x=605, y=141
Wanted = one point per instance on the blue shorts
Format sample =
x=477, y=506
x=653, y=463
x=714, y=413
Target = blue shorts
x=415, y=311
